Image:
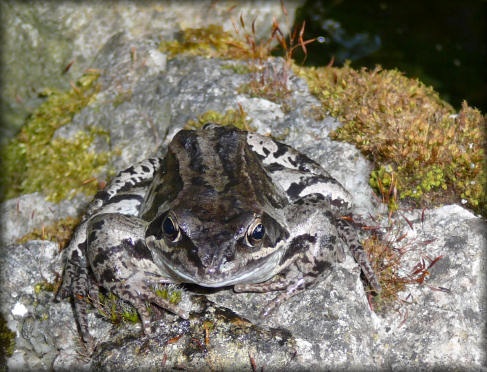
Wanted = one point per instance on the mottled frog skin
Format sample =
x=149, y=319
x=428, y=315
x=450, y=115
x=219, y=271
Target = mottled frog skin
x=224, y=207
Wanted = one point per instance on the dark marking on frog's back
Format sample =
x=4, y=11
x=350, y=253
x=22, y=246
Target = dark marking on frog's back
x=297, y=245
x=140, y=250
x=105, y=255
x=320, y=267
x=281, y=150
x=97, y=224
x=192, y=147
x=275, y=167
x=108, y=275
x=217, y=164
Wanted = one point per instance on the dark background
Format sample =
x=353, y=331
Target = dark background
x=443, y=43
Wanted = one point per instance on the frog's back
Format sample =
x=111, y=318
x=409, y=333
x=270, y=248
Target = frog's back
x=214, y=163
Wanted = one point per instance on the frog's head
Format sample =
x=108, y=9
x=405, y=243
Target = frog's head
x=215, y=212
x=215, y=252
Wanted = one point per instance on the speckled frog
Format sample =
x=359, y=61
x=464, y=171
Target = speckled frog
x=224, y=207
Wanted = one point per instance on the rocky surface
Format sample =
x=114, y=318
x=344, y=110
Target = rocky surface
x=41, y=39
x=330, y=326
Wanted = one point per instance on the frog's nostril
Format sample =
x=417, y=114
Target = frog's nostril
x=208, y=261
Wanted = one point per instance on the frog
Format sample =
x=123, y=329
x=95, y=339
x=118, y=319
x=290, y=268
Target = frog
x=223, y=208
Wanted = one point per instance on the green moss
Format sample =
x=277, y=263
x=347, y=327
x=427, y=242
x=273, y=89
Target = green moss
x=34, y=161
x=59, y=232
x=115, y=310
x=237, y=118
x=45, y=286
x=171, y=293
x=209, y=41
x=7, y=343
x=383, y=180
x=238, y=68
x=435, y=154
x=213, y=42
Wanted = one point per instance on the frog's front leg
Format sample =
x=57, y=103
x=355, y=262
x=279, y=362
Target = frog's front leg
x=347, y=229
x=122, y=263
x=289, y=286
x=302, y=271
x=123, y=195
x=316, y=246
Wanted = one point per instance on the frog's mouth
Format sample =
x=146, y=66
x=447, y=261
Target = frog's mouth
x=227, y=274
x=254, y=268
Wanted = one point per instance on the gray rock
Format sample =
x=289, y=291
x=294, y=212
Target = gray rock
x=330, y=326
x=41, y=325
x=28, y=212
x=438, y=328
x=40, y=39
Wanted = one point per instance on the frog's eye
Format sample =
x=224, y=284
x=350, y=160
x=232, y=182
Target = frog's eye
x=170, y=228
x=255, y=233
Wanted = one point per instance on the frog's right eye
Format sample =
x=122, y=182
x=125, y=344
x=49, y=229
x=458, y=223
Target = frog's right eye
x=171, y=229
x=255, y=233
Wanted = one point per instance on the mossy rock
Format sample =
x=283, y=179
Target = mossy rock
x=35, y=161
x=434, y=154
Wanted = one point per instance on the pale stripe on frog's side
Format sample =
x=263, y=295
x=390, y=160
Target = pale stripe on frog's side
x=224, y=207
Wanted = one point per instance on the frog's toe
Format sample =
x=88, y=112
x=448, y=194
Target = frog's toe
x=167, y=305
x=145, y=314
x=274, y=304
x=65, y=289
x=89, y=344
x=145, y=318
x=61, y=294
x=271, y=307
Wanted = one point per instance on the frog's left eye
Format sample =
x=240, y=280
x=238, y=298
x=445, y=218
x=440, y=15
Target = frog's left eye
x=171, y=229
x=255, y=233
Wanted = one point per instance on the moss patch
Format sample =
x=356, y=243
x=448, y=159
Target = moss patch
x=435, y=154
x=171, y=293
x=7, y=343
x=238, y=118
x=396, y=273
x=118, y=311
x=115, y=310
x=243, y=44
x=59, y=168
x=59, y=232
x=213, y=42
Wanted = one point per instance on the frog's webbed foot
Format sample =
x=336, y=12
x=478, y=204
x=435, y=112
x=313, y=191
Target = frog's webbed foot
x=123, y=265
x=139, y=291
x=81, y=288
x=290, y=288
x=77, y=285
x=74, y=256
x=347, y=231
